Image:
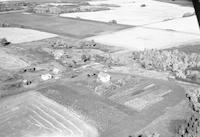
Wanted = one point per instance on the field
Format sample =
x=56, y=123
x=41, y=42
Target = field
x=149, y=19
x=140, y=38
x=170, y=120
x=179, y=25
x=47, y=1
x=179, y=2
x=108, y=114
x=11, y=62
x=139, y=94
x=19, y=35
x=40, y=116
x=61, y=26
x=131, y=13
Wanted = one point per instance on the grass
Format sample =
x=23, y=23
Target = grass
x=190, y=48
x=62, y=26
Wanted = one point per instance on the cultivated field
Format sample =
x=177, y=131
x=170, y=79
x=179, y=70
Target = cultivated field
x=19, y=35
x=9, y=0
x=140, y=38
x=62, y=26
x=38, y=116
x=47, y=1
x=110, y=115
x=11, y=62
x=131, y=13
x=187, y=25
x=151, y=19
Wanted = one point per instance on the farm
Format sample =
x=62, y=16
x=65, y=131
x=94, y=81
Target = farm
x=129, y=69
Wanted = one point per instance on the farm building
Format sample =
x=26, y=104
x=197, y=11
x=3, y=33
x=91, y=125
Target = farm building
x=12, y=5
x=54, y=9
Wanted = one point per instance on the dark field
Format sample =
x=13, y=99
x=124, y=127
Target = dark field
x=179, y=2
x=61, y=26
x=113, y=119
x=46, y=1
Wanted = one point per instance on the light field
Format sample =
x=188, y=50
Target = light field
x=11, y=62
x=131, y=13
x=19, y=35
x=33, y=115
x=141, y=38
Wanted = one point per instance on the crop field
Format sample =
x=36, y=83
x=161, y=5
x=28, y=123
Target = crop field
x=170, y=119
x=46, y=1
x=109, y=113
x=132, y=14
x=140, y=95
x=40, y=116
x=19, y=35
x=9, y=62
x=140, y=38
x=142, y=102
x=61, y=26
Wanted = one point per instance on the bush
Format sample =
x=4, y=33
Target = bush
x=4, y=25
x=85, y=58
x=143, y=5
x=149, y=135
x=188, y=14
x=4, y=42
x=113, y=21
x=59, y=44
x=190, y=128
x=88, y=44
